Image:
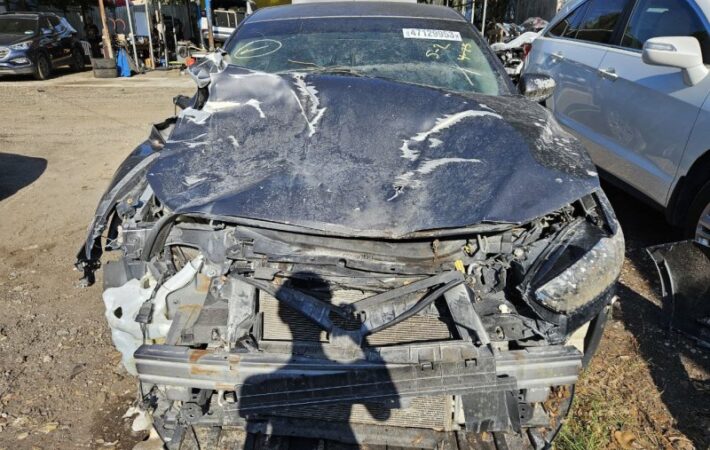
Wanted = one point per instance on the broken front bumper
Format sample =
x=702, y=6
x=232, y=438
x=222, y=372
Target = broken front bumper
x=486, y=390
x=269, y=382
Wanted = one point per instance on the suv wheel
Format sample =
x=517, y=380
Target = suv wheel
x=77, y=60
x=699, y=217
x=43, y=68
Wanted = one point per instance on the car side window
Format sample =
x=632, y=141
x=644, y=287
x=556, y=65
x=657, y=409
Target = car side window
x=568, y=26
x=655, y=18
x=600, y=20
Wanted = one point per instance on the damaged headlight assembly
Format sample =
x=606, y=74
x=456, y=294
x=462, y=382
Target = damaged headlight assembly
x=586, y=279
x=578, y=270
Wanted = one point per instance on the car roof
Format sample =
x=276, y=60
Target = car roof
x=355, y=9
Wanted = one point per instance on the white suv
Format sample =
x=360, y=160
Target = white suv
x=633, y=85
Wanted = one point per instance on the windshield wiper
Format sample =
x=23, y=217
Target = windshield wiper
x=315, y=68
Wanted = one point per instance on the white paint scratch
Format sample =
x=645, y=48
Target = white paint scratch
x=192, y=180
x=196, y=116
x=213, y=107
x=310, y=93
x=408, y=153
x=430, y=165
x=409, y=179
x=256, y=104
x=441, y=124
x=434, y=142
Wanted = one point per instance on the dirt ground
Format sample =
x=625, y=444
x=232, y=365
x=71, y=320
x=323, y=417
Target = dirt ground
x=61, y=384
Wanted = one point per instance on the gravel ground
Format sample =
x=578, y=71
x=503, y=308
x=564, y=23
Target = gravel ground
x=61, y=384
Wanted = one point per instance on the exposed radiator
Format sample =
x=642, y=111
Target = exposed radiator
x=284, y=324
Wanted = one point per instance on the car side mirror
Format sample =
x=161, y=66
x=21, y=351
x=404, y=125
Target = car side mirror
x=682, y=52
x=536, y=87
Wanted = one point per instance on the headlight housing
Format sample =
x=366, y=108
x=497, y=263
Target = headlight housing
x=22, y=45
x=575, y=274
x=584, y=280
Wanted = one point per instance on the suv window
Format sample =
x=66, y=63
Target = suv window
x=654, y=18
x=600, y=20
x=568, y=26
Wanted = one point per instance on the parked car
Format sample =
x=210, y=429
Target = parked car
x=514, y=52
x=633, y=85
x=36, y=44
x=357, y=231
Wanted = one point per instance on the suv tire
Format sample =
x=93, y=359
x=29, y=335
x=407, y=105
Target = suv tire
x=43, y=67
x=77, y=60
x=699, y=213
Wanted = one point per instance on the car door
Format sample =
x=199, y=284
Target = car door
x=571, y=52
x=63, y=39
x=48, y=39
x=649, y=111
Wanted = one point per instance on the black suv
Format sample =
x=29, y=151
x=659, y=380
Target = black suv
x=36, y=43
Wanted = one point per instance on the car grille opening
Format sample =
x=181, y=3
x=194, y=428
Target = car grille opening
x=281, y=323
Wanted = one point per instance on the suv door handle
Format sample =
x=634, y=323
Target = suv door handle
x=609, y=74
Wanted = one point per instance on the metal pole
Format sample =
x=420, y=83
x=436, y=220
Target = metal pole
x=210, y=32
x=473, y=12
x=133, y=33
x=150, y=34
x=108, y=50
x=161, y=32
x=483, y=23
x=175, y=40
x=191, y=24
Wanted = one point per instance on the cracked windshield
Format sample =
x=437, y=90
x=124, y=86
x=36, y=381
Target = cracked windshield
x=438, y=54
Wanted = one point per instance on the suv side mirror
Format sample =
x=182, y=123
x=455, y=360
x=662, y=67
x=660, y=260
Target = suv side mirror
x=536, y=87
x=682, y=52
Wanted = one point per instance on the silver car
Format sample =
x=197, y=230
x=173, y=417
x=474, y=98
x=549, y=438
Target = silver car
x=632, y=84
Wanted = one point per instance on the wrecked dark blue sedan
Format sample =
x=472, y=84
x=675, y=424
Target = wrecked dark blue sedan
x=357, y=232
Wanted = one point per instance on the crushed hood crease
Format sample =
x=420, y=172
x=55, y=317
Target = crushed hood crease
x=366, y=156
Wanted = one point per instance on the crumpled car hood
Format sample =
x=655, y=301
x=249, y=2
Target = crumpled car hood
x=365, y=156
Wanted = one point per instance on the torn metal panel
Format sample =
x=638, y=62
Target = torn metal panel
x=684, y=270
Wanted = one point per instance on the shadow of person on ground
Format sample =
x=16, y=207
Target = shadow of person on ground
x=18, y=171
x=277, y=426
x=668, y=353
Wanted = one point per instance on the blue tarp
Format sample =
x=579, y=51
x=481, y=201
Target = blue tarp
x=122, y=65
